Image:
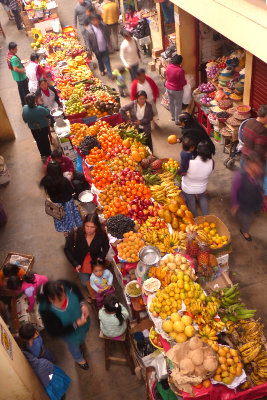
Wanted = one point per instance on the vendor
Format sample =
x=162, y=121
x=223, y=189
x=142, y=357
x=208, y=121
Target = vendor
x=141, y=115
x=49, y=97
x=77, y=178
x=144, y=82
x=193, y=130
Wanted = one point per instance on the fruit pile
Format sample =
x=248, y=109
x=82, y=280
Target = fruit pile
x=127, y=131
x=140, y=209
x=116, y=206
x=129, y=248
x=176, y=213
x=169, y=300
x=215, y=240
x=151, y=179
x=230, y=365
x=132, y=189
x=111, y=191
x=88, y=143
x=156, y=233
x=171, y=166
x=127, y=174
x=95, y=155
x=154, y=338
x=120, y=149
x=109, y=140
x=179, y=328
x=119, y=224
x=101, y=174
x=166, y=190
x=74, y=105
x=79, y=131
x=122, y=161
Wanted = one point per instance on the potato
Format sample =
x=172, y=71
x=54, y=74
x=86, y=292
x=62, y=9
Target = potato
x=196, y=356
x=210, y=364
x=186, y=366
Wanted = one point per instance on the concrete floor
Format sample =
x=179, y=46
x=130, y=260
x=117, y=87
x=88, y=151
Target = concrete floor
x=31, y=231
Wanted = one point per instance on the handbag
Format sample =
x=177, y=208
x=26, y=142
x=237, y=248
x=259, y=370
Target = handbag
x=54, y=210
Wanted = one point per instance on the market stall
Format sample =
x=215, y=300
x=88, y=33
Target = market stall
x=197, y=337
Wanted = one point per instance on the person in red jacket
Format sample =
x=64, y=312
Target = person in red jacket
x=175, y=81
x=145, y=83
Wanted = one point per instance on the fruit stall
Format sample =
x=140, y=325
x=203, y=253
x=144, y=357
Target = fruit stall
x=197, y=334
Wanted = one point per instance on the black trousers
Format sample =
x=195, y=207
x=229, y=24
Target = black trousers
x=42, y=141
x=17, y=17
x=79, y=182
x=23, y=90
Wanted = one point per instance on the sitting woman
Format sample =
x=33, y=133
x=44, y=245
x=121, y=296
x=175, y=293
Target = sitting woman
x=194, y=183
x=88, y=244
x=101, y=282
x=60, y=191
x=192, y=129
x=113, y=317
x=141, y=115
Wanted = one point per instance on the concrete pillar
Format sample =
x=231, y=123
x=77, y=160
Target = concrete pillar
x=6, y=130
x=248, y=77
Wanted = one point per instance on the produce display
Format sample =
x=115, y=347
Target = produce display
x=119, y=224
x=130, y=246
x=171, y=166
x=230, y=364
x=179, y=328
x=89, y=143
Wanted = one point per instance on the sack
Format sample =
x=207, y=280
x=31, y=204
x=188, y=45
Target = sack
x=187, y=94
x=54, y=210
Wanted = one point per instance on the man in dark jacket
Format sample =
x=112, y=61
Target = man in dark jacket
x=97, y=40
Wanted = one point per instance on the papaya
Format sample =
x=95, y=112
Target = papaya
x=167, y=216
x=173, y=206
x=161, y=213
x=175, y=223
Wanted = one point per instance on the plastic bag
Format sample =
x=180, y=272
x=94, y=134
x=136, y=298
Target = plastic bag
x=187, y=94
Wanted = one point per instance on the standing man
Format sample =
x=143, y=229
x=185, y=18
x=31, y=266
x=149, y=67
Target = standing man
x=97, y=40
x=79, y=14
x=129, y=53
x=144, y=82
x=111, y=14
x=14, y=7
x=18, y=71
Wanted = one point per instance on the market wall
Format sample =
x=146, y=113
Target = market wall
x=244, y=22
x=6, y=130
x=18, y=381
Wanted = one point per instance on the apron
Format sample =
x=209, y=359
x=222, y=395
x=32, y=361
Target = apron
x=31, y=75
x=49, y=101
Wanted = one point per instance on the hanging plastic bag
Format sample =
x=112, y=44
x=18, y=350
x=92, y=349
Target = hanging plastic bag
x=187, y=94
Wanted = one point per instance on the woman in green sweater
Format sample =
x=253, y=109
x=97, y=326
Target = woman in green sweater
x=113, y=317
x=36, y=116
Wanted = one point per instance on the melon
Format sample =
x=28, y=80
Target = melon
x=167, y=326
x=172, y=139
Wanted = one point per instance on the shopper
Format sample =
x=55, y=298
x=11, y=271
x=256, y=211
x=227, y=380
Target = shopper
x=247, y=192
x=121, y=77
x=79, y=16
x=18, y=71
x=144, y=82
x=193, y=130
x=36, y=116
x=97, y=40
x=194, y=183
x=14, y=7
x=7, y=9
x=85, y=246
x=49, y=97
x=76, y=178
x=101, y=282
x=186, y=155
x=175, y=81
x=111, y=14
x=141, y=115
x=65, y=314
x=34, y=72
x=60, y=191
x=113, y=317
x=129, y=53
x=255, y=134
x=53, y=378
x=90, y=11
x=34, y=342
x=28, y=284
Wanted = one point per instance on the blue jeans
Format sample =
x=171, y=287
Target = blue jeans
x=104, y=61
x=133, y=71
x=84, y=278
x=74, y=350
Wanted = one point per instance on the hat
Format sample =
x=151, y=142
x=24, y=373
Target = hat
x=241, y=117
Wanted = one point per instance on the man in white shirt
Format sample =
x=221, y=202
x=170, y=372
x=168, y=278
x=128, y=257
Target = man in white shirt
x=129, y=53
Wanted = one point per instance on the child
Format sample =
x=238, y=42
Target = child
x=113, y=317
x=34, y=341
x=101, y=282
x=121, y=75
x=186, y=155
x=28, y=284
x=10, y=270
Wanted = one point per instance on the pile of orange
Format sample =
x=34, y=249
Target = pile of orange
x=66, y=89
x=95, y=155
x=109, y=140
x=130, y=246
x=122, y=161
x=116, y=206
x=104, y=96
x=132, y=189
x=79, y=131
x=112, y=191
x=101, y=174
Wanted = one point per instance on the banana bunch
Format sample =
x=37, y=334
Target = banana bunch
x=207, y=333
x=249, y=351
x=158, y=193
x=165, y=246
x=202, y=236
x=196, y=307
x=160, y=238
x=166, y=190
x=180, y=239
x=252, y=330
x=175, y=239
x=259, y=374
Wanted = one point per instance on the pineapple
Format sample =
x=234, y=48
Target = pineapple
x=203, y=254
x=191, y=244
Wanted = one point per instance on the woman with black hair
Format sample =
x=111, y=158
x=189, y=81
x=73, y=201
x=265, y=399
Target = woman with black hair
x=85, y=246
x=10, y=270
x=113, y=317
x=65, y=314
x=141, y=115
x=36, y=116
x=28, y=284
x=175, y=81
x=194, y=183
x=192, y=129
x=60, y=190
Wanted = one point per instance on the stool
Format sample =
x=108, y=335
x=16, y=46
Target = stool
x=108, y=357
x=229, y=145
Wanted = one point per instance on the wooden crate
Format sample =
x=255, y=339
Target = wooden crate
x=11, y=253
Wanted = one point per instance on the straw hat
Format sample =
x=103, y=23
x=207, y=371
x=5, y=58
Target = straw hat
x=241, y=117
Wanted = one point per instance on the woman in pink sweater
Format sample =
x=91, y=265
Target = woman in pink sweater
x=29, y=284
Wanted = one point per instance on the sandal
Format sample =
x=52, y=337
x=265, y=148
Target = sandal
x=83, y=366
x=248, y=238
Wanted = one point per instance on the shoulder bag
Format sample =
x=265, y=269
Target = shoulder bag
x=54, y=210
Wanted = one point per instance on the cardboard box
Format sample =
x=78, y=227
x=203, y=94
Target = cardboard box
x=156, y=52
x=152, y=66
x=163, y=72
